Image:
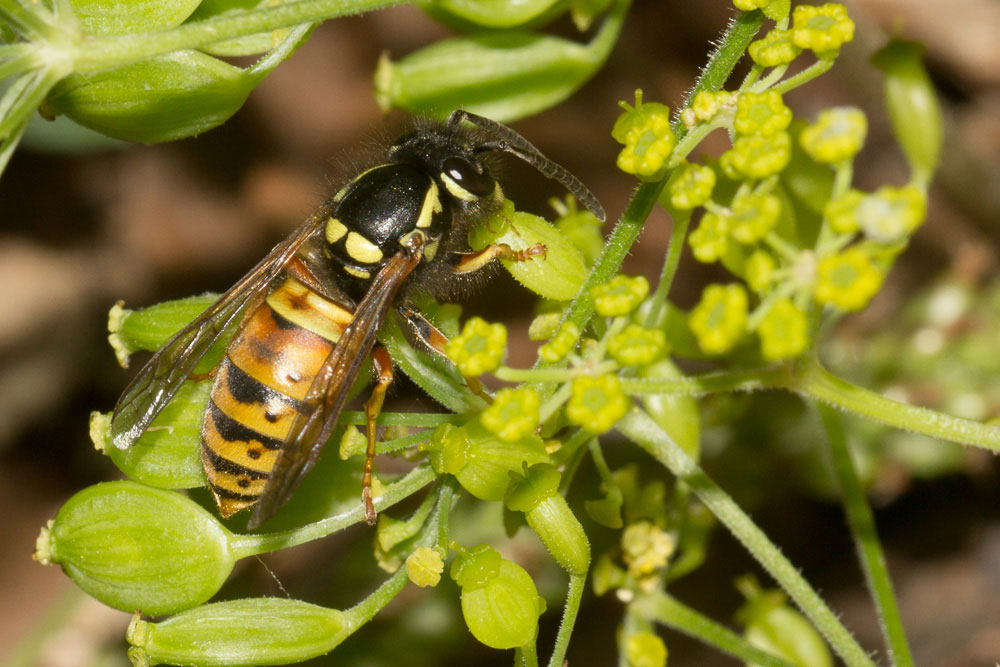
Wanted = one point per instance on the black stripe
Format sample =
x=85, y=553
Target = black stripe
x=232, y=431
x=280, y=321
x=231, y=467
x=232, y=495
x=247, y=389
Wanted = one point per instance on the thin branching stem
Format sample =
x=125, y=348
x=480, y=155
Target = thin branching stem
x=862, y=523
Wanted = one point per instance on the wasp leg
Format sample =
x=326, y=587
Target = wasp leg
x=436, y=342
x=383, y=371
x=473, y=261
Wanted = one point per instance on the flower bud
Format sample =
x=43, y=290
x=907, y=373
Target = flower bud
x=913, y=106
x=168, y=454
x=255, y=631
x=500, y=603
x=479, y=348
x=480, y=461
x=557, y=274
x=134, y=547
x=503, y=75
x=167, y=97
x=424, y=566
x=536, y=493
x=597, y=403
x=644, y=649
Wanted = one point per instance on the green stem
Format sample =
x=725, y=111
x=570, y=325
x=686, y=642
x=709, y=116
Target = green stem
x=809, y=379
x=508, y=374
x=365, y=610
x=673, y=259
x=805, y=76
x=416, y=419
x=862, y=523
x=99, y=53
x=527, y=655
x=640, y=428
x=664, y=609
x=250, y=545
x=814, y=381
x=731, y=48
x=771, y=377
x=574, y=595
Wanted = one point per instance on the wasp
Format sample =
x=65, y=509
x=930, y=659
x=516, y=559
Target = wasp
x=308, y=314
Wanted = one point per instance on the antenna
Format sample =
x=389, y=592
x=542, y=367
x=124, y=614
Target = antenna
x=509, y=141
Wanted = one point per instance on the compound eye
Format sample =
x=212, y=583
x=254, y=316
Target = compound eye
x=466, y=178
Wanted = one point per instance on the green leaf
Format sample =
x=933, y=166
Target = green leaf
x=558, y=274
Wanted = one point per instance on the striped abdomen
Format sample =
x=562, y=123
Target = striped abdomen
x=259, y=386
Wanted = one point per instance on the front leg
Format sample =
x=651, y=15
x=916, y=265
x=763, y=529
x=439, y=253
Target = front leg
x=467, y=262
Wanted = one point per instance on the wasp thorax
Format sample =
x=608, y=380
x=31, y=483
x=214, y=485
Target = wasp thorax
x=377, y=210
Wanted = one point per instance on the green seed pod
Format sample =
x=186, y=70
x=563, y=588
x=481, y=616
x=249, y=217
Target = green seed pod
x=502, y=75
x=773, y=626
x=150, y=328
x=134, y=547
x=557, y=275
x=495, y=14
x=168, y=454
x=101, y=17
x=256, y=631
x=479, y=460
x=679, y=416
x=913, y=106
x=536, y=493
x=168, y=97
x=500, y=603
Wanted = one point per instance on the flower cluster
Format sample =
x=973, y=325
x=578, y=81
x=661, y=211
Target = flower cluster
x=760, y=232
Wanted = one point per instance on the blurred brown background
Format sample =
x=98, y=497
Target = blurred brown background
x=146, y=224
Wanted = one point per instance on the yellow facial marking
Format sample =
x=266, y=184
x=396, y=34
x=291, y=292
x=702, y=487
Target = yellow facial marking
x=457, y=190
x=357, y=273
x=361, y=249
x=335, y=230
x=431, y=249
x=432, y=205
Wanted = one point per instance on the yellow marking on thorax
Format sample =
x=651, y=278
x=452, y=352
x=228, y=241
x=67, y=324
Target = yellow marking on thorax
x=335, y=230
x=302, y=306
x=432, y=205
x=361, y=249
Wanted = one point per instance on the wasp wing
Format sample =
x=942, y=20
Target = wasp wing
x=158, y=381
x=328, y=392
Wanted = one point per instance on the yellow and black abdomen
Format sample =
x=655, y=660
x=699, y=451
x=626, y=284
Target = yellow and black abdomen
x=259, y=388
